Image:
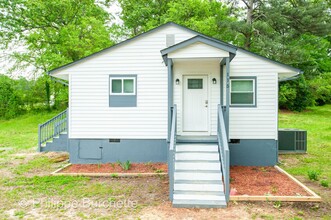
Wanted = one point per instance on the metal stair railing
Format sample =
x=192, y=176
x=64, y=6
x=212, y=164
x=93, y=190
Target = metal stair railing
x=52, y=128
x=172, y=151
x=224, y=152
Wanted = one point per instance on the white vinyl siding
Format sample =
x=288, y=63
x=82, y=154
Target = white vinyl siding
x=260, y=122
x=198, y=50
x=91, y=117
x=90, y=114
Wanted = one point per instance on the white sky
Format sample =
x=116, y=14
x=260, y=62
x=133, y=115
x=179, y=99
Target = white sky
x=28, y=72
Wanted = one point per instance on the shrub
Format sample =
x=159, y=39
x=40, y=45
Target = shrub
x=126, y=165
x=320, y=88
x=325, y=183
x=313, y=175
x=295, y=95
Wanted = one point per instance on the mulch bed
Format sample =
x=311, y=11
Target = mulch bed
x=116, y=168
x=244, y=180
x=262, y=181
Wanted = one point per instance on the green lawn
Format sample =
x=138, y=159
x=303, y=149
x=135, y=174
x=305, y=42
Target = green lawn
x=317, y=122
x=22, y=132
x=25, y=176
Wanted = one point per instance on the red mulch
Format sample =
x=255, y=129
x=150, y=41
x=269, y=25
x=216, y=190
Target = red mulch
x=259, y=181
x=116, y=168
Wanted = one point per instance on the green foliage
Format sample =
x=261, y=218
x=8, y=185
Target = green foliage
x=277, y=204
x=54, y=32
x=320, y=87
x=10, y=102
x=207, y=17
x=325, y=183
x=313, y=174
x=126, y=165
x=21, y=95
x=295, y=95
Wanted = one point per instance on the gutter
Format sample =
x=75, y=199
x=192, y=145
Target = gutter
x=59, y=80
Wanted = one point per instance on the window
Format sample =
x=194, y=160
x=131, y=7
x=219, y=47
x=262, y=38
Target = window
x=194, y=84
x=243, y=92
x=122, y=86
x=122, y=91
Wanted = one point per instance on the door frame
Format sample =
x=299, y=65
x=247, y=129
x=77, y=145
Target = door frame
x=193, y=133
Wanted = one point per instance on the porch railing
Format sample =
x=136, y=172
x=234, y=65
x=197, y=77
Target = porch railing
x=172, y=151
x=224, y=152
x=52, y=128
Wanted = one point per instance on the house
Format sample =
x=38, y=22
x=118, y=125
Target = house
x=172, y=95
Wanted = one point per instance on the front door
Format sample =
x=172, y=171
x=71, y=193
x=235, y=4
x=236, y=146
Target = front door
x=195, y=104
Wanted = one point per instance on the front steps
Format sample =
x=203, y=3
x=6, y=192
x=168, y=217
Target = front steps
x=198, y=177
x=59, y=143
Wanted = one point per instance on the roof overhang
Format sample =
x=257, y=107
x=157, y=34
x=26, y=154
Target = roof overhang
x=200, y=39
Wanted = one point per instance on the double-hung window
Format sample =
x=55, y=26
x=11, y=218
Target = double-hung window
x=123, y=91
x=243, y=92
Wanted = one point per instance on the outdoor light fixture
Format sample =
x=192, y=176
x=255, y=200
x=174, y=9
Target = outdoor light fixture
x=177, y=81
x=214, y=81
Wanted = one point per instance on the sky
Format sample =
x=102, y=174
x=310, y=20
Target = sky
x=29, y=71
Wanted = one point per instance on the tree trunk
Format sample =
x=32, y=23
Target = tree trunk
x=249, y=22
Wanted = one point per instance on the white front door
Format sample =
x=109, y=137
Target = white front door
x=195, y=104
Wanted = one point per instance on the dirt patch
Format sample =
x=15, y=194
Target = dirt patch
x=259, y=181
x=57, y=157
x=117, y=168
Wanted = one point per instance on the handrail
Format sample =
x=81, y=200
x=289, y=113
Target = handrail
x=172, y=150
x=224, y=152
x=52, y=128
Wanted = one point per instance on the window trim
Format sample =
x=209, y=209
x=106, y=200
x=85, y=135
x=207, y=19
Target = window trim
x=122, y=78
x=122, y=99
x=244, y=78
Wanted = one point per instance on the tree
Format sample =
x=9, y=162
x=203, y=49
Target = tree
x=10, y=102
x=53, y=33
x=207, y=17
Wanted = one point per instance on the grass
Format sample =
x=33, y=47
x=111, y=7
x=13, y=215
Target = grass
x=24, y=175
x=317, y=122
x=21, y=132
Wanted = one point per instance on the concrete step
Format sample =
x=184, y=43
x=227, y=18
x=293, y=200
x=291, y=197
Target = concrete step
x=192, y=176
x=59, y=143
x=199, y=166
x=181, y=203
x=196, y=139
x=196, y=148
x=199, y=187
x=199, y=201
x=197, y=156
